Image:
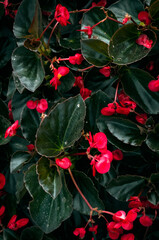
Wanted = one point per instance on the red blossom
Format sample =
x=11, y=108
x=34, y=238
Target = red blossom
x=62, y=15
x=105, y=71
x=101, y=3
x=142, y=118
x=122, y=110
x=129, y=236
x=64, y=163
x=77, y=59
x=30, y=147
x=42, y=106
x=134, y=202
x=85, y=93
x=2, y=181
x=80, y=232
x=11, y=131
x=154, y=85
x=79, y=82
x=103, y=165
x=88, y=30
x=108, y=111
x=143, y=40
x=2, y=210
x=146, y=221
x=113, y=230
x=126, y=18
x=143, y=16
x=100, y=141
x=58, y=73
x=117, y=155
x=15, y=225
x=10, y=105
x=93, y=229
x=31, y=104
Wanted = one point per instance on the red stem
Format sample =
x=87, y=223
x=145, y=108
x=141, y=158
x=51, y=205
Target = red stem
x=52, y=33
x=81, y=70
x=116, y=92
x=46, y=28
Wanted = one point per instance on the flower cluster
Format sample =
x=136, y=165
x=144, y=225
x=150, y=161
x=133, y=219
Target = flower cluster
x=85, y=92
x=62, y=15
x=40, y=105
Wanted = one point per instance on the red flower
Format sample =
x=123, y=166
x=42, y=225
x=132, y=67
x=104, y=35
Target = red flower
x=30, y=147
x=113, y=230
x=144, y=41
x=42, y=106
x=145, y=221
x=31, y=104
x=129, y=236
x=105, y=71
x=150, y=66
x=93, y=229
x=85, y=93
x=58, y=73
x=15, y=225
x=134, y=202
x=80, y=232
x=2, y=181
x=122, y=110
x=154, y=85
x=2, y=210
x=100, y=141
x=117, y=155
x=142, y=118
x=61, y=15
x=143, y=16
x=88, y=30
x=108, y=111
x=78, y=82
x=103, y=165
x=101, y=3
x=11, y=131
x=10, y=105
x=64, y=163
x=77, y=59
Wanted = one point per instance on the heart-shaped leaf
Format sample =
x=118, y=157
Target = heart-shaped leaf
x=28, y=67
x=61, y=128
x=46, y=212
x=49, y=177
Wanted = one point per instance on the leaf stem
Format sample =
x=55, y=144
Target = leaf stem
x=52, y=33
x=46, y=28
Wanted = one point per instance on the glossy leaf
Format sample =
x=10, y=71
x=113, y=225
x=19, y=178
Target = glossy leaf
x=49, y=177
x=66, y=82
x=95, y=52
x=105, y=178
x=30, y=121
x=18, y=159
x=90, y=192
x=46, y=212
x=28, y=20
x=135, y=83
x=3, y=109
x=4, y=124
x=32, y=233
x=9, y=235
x=28, y=67
x=18, y=84
x=123, y=47
x=154, y=11
x=103, y=31
x=126, y=186
x=152, y=140
x=62, y=127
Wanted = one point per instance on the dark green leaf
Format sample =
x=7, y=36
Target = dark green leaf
x=66, y=82
x=9, y=235
x=4, y=124
x=154, y=179
x=3, y=109
x=126, y=186
x=28, y=67
x=95, y=52
x=32, y=233
x=135, y=82
x=103, y=31
x=123, y=47
x=62, y=127
x=47, y=5
x=18, y=84
x=154, y=12
x=153, y=197
x=152, y=140
x=105, y=178
x=49, y=177
x=123, y=7
x=18, y=159
x=89, y=191
x=30, y=121
x=47, y=213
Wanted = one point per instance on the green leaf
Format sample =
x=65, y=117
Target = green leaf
x=135, y=83
x=123, y=47
x=47, y=5
x=124, y=130
x=66, y=82
x=4, y=124
x=89, y=191
x=32, y=233
x=154, y=179
x=94, y=105
x=153, y=197
x=18, y=159
x=9, y=235
x=61, y=128
x=28, y=67
x=154, y=12
x=103, y=31
x=30, y=121
x=3, y=109
x=104, y=179
x=126, y=186
x=18, y=84
x=47, y=213
x=95, y=52
x=49, y=177
x=28, y=20
x=152, y=194
x=122, y=7
x=152, y=140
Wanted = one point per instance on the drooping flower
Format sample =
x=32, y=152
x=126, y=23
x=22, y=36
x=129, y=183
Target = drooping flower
x=85, y=93
x=145, y=221
x=15, y=225
x=117, y=155
x=62, y=15
x=77, y=59
x=143, y=16
x=142, y=118
x=58, y=73
x=154, y=85
x=11, y=131
x=80, y=232
x=129, y=236
x=93, y=229
x=79, y=82
x=143, y=40
x=134, y=202
x=105, y=71
x=108, y=111
x=2, y=181
x=64, y=163
x=113, y=230
x=87, y=30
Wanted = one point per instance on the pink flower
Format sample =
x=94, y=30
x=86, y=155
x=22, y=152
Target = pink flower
x=42, y=106
x=80, y=232
x=77, y=59
x=117, y=155
x=145, y=221
x=143, y=16
x=129, y=236
x=100, y=141
x=30, y=147
x=79, y=82
x=15, y=225
x=154, y=85
x=64, y=163
x=31, y=104
x=87, y=30
x=103, y=165
x=113, y=230
x=11, y=131
x=105, y=71
x=142, y=118
x=58, y=73
x=2, y=181
x=85, y=93
x=144, y=41
x=61, y=15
